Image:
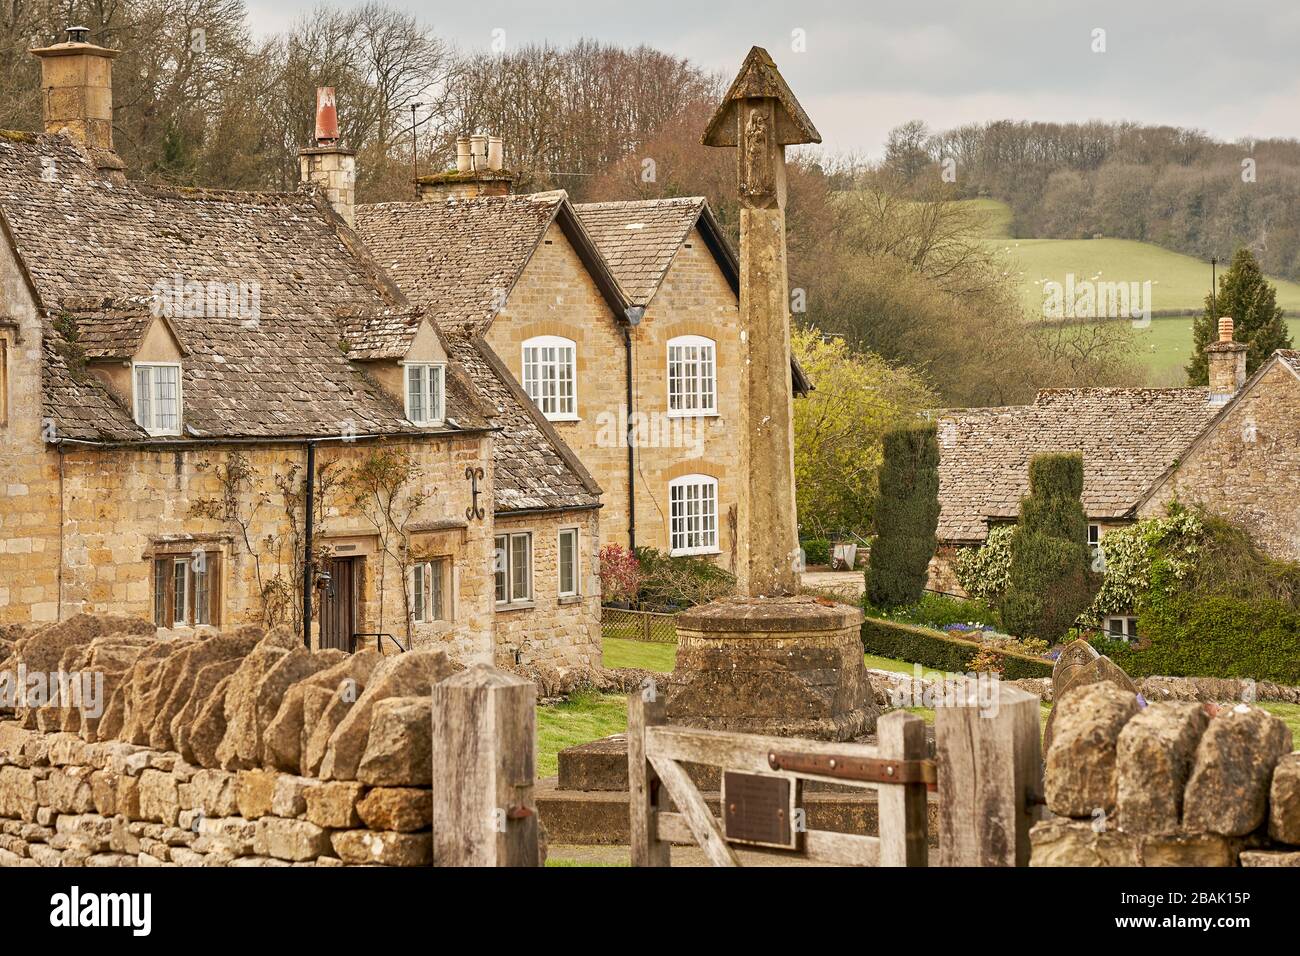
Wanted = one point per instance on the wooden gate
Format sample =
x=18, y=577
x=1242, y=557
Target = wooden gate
x=760, y=809
x=988, y=773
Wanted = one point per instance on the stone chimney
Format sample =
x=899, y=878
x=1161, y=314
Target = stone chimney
x=480, y=162
x=328, y=164
x=1227, y=361
x=77, y=94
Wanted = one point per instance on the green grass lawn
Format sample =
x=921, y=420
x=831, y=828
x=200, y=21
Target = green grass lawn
x=643, y=654
x=581, y=718
x=1290, y=714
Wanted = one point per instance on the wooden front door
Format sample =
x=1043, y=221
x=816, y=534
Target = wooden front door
x=338, y=617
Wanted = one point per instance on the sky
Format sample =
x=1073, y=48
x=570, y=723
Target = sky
x=1227, y=68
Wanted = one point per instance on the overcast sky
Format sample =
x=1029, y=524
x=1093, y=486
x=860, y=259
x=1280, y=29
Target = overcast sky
x=1231, y=69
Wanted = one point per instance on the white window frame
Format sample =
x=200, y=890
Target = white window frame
x=703, y=404
x=436, y=402
x=426, y=607
x=1128, y=629
x=680, y=518
x=576, y=546
x=151, y=426
x=560, y=406
x=504, y=564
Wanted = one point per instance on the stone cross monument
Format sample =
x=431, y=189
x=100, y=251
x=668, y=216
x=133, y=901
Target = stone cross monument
x=769, y=661
x=759, y=117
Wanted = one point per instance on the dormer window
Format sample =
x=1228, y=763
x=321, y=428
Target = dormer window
x=157, y=387
x=550, y=376
x=425, y=393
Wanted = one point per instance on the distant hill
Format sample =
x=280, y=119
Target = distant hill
x=1179, y=283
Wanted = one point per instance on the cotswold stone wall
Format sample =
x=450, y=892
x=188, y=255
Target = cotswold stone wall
x=64, y=802
x=1172, y=783
x=242, y=748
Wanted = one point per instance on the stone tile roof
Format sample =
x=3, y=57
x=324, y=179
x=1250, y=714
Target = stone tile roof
x=1290, y=358
x=386, y=335
x=534, y=469
x=458, y=259
x=1127, y=436
x=282, y=375
x=639, y=238
x=116, y=330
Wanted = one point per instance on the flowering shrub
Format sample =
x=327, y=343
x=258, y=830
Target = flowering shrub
x=620, y=574
x=1175, y=539
x=985, y=572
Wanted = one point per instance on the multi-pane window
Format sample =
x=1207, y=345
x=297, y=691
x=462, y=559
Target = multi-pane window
x=1123, y=627
x=187, y=589
x=693, y=514
x=425, y=391
x=550, y=373
x=158, y=398
x=568, y=563
x=429, y=590
x=692, y=376
x=514, y=568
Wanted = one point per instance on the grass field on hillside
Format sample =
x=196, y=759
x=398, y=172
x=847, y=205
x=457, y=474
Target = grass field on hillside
x=1177, y=281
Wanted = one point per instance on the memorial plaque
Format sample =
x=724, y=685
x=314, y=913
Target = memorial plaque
x=760, y=810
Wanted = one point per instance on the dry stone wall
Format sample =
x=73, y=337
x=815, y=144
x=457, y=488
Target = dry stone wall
x=1170, y=783
x=242, y=749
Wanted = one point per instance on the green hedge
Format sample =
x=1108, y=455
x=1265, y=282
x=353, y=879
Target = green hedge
x=928, y=648
x=1222, y=636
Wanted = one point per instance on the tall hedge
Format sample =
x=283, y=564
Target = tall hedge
x=1052, y=581
x=907, y=515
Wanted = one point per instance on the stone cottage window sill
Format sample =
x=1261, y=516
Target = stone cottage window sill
x=713, y=414
x=570, y=599
x=517, y=606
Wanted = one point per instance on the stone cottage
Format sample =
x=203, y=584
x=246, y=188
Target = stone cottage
x=616, y=319
x=1232, y=447
x=183, y=371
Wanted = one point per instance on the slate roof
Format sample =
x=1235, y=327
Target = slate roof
x=459, y=259
x=1128, y=437
x=534, y=469
x=639, y=238
x=282, y=375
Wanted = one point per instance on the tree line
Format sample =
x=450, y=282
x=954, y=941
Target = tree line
x=198, y=99
x=1172, y=186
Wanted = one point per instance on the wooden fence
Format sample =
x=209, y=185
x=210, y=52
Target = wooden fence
x=638, y=625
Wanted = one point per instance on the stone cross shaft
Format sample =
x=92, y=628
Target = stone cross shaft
x=759, y=117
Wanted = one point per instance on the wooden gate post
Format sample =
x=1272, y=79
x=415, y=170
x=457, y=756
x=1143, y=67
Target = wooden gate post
x=904, y=825
x=644, y=794
x=989, y=756
x=484, y=741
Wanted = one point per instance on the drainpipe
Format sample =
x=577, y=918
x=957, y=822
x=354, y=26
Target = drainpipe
x=307, y=569
x=634, y=315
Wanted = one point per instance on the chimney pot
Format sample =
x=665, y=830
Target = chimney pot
x=463, y=162
x=78, y=34
x=327, y=163
x=478, y=151
x=495, y=157
x=1227, y=363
